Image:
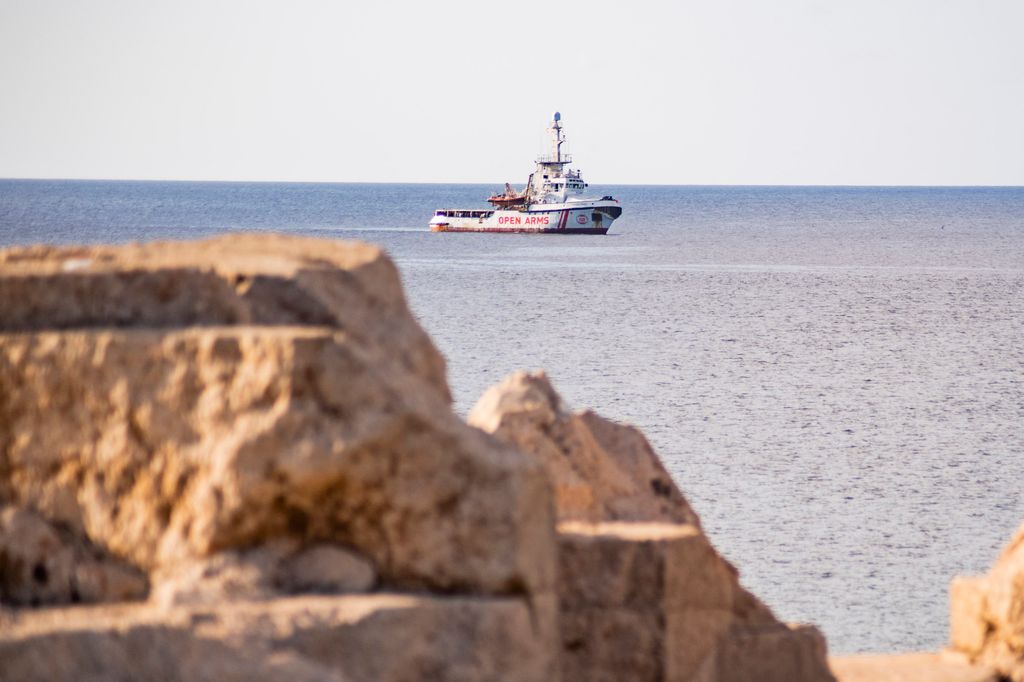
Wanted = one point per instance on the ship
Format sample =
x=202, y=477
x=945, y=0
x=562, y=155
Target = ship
x=554, y=201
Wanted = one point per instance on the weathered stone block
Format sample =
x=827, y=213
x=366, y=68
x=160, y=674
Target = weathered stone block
x=43, y=564
x=355, y=638
x=237, y=279
x=691, y=637
x=172, y=401
x=642, y=592
x=968, y=620
x=164, y=446
x=601, y=471
x=325, y=568
x=612, y=644
x=768, y=653
x=987, y=614
x=654, y=601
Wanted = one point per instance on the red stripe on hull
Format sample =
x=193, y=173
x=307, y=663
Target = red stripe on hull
x=524, y=230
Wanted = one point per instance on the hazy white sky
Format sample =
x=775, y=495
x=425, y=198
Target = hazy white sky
x=747, y=92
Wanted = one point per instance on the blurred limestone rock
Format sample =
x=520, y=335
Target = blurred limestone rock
x=265, y=571
x=234, y=280
x=325, y=568
x=237, y=420
x=601, y=471
x=987, y=613
x=642, y=593
x=340, y=638
x=171, y=401
x=42, y=564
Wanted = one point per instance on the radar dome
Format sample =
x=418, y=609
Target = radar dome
x=557, y=116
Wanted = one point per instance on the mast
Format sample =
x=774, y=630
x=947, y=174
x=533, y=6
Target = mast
x=558, y=136
x=557, y=159
x=550, y=167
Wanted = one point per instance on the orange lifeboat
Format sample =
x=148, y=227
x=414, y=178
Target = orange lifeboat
x=509, y=199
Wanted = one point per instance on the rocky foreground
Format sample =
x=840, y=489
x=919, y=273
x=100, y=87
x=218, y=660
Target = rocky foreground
x=237, y=459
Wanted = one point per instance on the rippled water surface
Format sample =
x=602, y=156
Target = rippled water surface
x=834, y=376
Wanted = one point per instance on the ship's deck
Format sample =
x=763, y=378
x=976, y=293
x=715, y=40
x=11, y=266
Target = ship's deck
x=463, y=213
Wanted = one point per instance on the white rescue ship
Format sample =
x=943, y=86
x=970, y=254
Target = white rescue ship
x=552, y=202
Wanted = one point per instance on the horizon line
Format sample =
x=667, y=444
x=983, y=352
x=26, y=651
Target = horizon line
x=442, y=182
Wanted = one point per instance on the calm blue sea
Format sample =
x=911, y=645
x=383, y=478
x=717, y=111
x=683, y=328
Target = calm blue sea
x=834, y=376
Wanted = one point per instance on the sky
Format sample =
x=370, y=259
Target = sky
x=820, y=92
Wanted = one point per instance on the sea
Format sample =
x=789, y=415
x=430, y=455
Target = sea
x=834, y=376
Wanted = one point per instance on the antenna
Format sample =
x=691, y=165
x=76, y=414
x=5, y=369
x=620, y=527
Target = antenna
x=556, y=129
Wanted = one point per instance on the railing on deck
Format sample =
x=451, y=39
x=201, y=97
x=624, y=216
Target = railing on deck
x=566, y=158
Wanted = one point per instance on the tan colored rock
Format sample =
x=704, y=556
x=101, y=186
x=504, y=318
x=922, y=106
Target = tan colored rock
x=353, y=638
x=644, y=564
x=302, y=403
x=221, y=577
x=913, y=667
x=987, y=613
x=325, y=568
x=602, y=471
x=642, y=593
x=166, y=446
x=654, y=601
x=42, y=564
x=236, y=279
x=266, y=571
x=769, y=653
x=968, y=620
x=612, y=644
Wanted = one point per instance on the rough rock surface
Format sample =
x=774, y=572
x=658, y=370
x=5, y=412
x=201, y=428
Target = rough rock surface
x=239, y=279
x=642, y=593
x=602, y=471
x=987, y=613
x=657, y=600
x=342, y=638
x=43, y=564
x=265, y=571
x=325, y=568
x=164, y=443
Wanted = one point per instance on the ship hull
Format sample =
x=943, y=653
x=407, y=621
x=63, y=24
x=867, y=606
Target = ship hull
x=525, y=230
x=588, y=218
